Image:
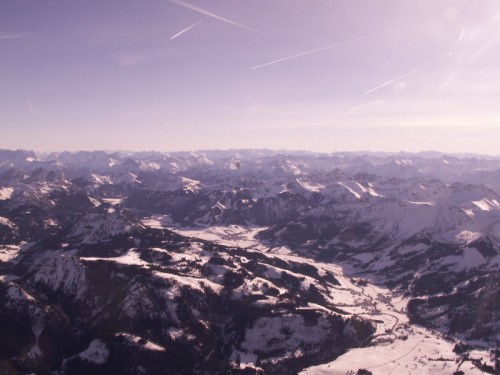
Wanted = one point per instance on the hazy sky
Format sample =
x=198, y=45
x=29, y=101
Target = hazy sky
x=323, y=75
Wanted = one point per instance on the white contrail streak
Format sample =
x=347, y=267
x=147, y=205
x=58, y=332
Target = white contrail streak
x=186, y=29
x=212, y=15
x=457, y=42
x=12, y=35
x=317, y=50
x=460, y=37
x=407, y=74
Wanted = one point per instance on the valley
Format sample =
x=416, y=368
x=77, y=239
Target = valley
x=249, y=262
x=397, y=346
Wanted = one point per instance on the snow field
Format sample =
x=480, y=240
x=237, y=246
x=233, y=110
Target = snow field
x=397, y=348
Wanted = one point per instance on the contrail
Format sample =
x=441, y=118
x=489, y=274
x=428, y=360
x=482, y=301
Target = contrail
x=409, y=73
x=457, y=42
x=212, y=15
x=318, y=50
x=460, y=37
x=186, y=29
x=12, y=35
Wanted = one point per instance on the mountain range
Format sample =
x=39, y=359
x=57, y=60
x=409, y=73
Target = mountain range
x=248, y=262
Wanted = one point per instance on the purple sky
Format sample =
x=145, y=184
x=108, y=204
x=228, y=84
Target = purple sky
x=321, y=75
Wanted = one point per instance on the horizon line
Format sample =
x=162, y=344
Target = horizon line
x=274, y=150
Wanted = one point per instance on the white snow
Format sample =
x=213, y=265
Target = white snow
x=97, y=352
x=467, y=236
x=37, y=330
x=245, y=359
x=130, y=258
x=190, y=185
x=175, y=333
x=148, y=345
x=8, y=252
x=411, y=356
x=276, y=273
x=94, y=201
x=65, y=272
x=257, y=286
x=369, y=190
x=158, y=221
x=98, y=227
x=5, y=193
x=309, y=185
x=469, y=212
x=113, y=201
x=422, y=203
x=151, y=166
x=192, y=282
x=18, y=295
x=6, y=222
x=399, y=348
x=51, y=223
x=404, y=162
x=100, y=180
x=292, y=168
x=232, y=235
x=486, y=204
x=357, y=195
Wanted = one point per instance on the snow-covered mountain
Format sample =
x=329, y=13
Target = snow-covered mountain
x=144, y=256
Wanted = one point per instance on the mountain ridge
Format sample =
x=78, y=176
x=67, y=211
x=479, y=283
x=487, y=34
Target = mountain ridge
x=85, y=237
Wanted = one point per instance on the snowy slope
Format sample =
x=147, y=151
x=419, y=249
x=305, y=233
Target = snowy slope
x=249, y=261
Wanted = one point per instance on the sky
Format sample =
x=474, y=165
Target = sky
x=319, y=75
